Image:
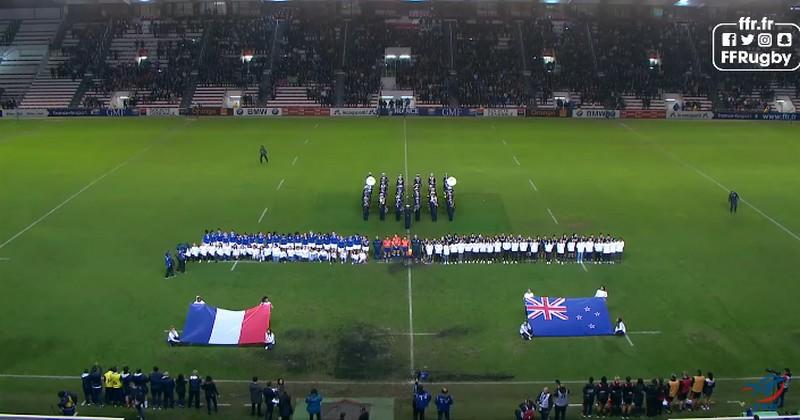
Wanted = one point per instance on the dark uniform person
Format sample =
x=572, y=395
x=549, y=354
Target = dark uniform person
x=170, y=268
x=451, y=205
x=181, y=259
x=86, y=385
x=270, y=395
x=417, y=204
x=96, y=381
x=194, y=389
x=407, y=215
x=156, y=386
x=398, y=207
x=263, y=157
x=733, y=200
x=255, y=396
x=365, y=207
x=168, y=389
x=382, y=206
x=434, y=205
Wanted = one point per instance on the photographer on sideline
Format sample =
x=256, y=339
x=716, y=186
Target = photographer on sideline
x=66, y=403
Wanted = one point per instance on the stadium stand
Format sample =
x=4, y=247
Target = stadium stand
x=23, y=58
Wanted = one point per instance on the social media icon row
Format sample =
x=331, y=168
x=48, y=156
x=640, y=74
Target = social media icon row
x=764, y=40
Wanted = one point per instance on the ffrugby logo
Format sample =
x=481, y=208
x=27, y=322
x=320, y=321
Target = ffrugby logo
x=756, y=45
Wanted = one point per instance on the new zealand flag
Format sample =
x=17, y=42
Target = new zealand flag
x=568, y=317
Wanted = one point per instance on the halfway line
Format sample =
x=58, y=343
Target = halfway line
x=552, y=216
x=280, y=184
x=262, y=214
x=70, y=198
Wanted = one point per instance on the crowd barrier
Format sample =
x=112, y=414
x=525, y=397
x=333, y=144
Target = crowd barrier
x=426, y=111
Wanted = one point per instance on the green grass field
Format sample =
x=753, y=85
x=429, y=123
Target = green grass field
x=88, y=207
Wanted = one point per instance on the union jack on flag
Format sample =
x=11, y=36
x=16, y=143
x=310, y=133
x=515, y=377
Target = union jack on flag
x=567, y=317
x=546, y=308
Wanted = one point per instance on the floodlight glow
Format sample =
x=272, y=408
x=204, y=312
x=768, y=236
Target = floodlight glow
x=390, y=56
x=404, y=57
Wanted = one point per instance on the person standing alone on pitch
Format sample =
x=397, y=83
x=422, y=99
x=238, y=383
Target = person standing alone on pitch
x=733, y=200
x=263, y=153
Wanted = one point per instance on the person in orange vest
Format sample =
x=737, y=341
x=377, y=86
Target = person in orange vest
x=387, y=248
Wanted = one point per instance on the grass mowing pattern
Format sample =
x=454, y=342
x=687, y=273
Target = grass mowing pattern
x=85, y=283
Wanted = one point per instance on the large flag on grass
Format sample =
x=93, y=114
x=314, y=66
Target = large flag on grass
x=568, y=317
x=206, y=324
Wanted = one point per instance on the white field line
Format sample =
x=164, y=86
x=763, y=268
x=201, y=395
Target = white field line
x=584, y=267
x=516, y=160
x=260, y=218
x=552, y=216
x=504, y=142
x=280, y=184
x=5, y=259
x=645, y=332
x=294, y=160
x=711, y=179
x=233, y=267
x=408, y=231
x=306, y=142
x=405, y=148
x=629, y=340
x=80, y=191
x=530, y=181
x=387, y=383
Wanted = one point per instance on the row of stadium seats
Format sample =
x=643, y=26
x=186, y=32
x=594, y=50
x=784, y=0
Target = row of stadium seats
x=303, y=59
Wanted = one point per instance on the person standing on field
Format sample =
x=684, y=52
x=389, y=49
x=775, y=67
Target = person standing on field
x=443, y=403
x=263, y=155
x=255, y=397
x=733, y=200
x=561, y=401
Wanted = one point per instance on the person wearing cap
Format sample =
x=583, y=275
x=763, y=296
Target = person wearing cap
x=443, y=403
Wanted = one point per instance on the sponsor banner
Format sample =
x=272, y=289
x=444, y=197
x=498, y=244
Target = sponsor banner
x=204, y=111
x=161, y=112
x=397, y=112
x=554, y=113
x=595, y=113
x=446, y=112
x=501, y=112
x=25, y=113
x=112, y=112
x=642, y=113
x=690, y=115
x=69, y=112
x=766, y=116
x=257, y=112
x=307, y=112
x=353, y=112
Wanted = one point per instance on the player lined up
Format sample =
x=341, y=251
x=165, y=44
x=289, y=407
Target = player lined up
x=512, y=249
x=277, y=247
x=399, y=197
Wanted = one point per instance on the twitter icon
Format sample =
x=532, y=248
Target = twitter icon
x=747, y=39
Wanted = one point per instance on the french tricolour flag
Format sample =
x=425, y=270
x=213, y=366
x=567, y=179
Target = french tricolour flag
x=206, y=324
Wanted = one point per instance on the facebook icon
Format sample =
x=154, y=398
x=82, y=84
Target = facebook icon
x=729, y=39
